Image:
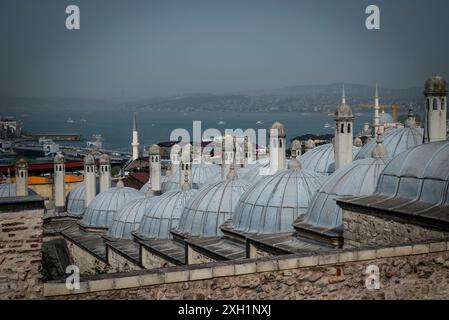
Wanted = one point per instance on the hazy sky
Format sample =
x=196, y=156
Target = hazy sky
x=137, y=48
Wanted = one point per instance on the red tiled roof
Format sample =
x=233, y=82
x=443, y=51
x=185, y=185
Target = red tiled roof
x=69, y=165
x=136, y=180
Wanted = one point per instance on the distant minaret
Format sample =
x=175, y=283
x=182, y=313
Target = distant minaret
x=59, y=182
x=135, y=142
x=376, y=119
x=89, y=179
x=435, y=92
x=21, y=178
x=343, y=133
x=155, y=170
x=105, y=173
x=227, y=154
x=277, y=147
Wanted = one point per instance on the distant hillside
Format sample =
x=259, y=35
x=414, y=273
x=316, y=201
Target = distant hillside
x=296, y=98
x=310, y=98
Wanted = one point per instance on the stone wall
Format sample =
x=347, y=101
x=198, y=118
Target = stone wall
x=86, y=262
x=196, y=257
x=20, y=248
x=151, y=261
x=419, y=271
x=364, y=229
x=120, y=263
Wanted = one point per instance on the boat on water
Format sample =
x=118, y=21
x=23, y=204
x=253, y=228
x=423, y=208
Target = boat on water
x=96, y=142
x=327, y=125
x=83, y=120
x=221, y=123
x=259, y=122
x=70, y=120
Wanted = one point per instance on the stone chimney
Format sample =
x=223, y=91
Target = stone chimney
x=59, y=182
x=21, y=178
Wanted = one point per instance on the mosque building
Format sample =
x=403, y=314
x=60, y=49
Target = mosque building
x=333, y=197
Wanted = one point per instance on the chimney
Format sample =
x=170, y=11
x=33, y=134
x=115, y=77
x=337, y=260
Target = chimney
x=59, y=182
x=21, y=178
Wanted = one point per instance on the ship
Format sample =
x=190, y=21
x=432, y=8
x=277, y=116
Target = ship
x=96, y=142
x=70, y=120
x=45, y=148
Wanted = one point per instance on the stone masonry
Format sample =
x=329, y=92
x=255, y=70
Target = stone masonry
x=419, y=271
x=362, y=230
x=21, y=247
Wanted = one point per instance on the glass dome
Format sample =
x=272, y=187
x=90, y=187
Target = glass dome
x=75, y=198
x=274, y=203
x=202, y=174
x=354, y=179
x=211, y=207
x=163, y=214
x=255, y=171
x=396, y=140
x=421, y=174
x=322, y=159
x=128, y=218
x=104, y=206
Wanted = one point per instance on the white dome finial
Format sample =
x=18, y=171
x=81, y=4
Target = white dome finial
x=120, y=183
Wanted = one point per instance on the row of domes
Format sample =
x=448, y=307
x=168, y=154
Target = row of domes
x=262, y=204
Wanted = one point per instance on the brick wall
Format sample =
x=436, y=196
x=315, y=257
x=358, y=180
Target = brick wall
x=20, y=249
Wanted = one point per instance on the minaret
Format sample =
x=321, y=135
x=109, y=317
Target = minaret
x=135, y=141
x=89, y=179
x=227, y=154
x=59, y=182
x=105, y=173
x=376, y=119
x=21, y=178
x=435, y=92
x=343, y=133
x=277, y=147
x=155, y=170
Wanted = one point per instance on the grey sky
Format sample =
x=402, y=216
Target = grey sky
x=137, y=48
